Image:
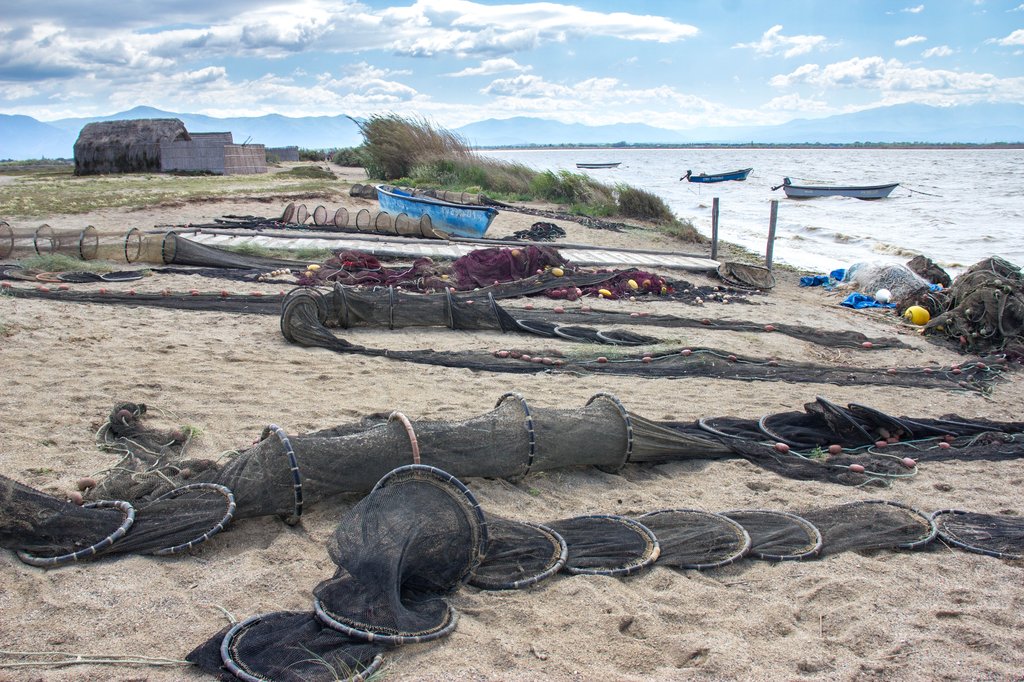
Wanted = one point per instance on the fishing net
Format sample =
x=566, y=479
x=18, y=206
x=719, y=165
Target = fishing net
x=44, y=240
x=518, y=555
x=996, y=535
x=899, y=279
x=746, y=276
x=776, y=535
x=606, y=544
x=984, y=310
x=869, y=525
x=695, y=539
x=928, y=270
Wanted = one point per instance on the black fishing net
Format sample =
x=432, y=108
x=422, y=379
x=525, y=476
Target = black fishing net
x=606, y=544
x=997, y=535
x=870, y=524
x=776, y=535
x=518, y=555
x=690, y=538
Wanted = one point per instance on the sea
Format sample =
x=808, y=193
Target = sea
x=955, y=206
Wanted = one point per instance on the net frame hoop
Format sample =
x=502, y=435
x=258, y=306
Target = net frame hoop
x=621, y=571
x=52, y=562
x=530, y=429
x=44, y=233
x=293, y=466
x=6, y=239
x=449, y=307
x=733, y=525
x=913, y=544
x=818, y=541
x=88, y=232
x=169, y=238
x=704, y=424
x=964, y=545
x=133, y=235
x=413, y=442
x=563, y=556
x=229, y=514
x=236, y=670
x=451, y=620
x=767, y=430
x=629, y=430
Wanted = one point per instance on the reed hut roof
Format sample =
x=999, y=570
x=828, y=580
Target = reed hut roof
x=125, y=146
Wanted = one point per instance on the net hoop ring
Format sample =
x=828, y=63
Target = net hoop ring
x=300, y=296
x=451, y=620
x=6, y=239
x=654, y=549
x=929, y=521
x=530, y=430
x=52, y=562
x=133, y=237
x=293, y=467
x=741, y=532
x=44, y=233
x=950, y=539
x=816, y=540
x=218, y=527
x=169, y=247
x=88, y=243
x=629, y=431
x=236, y=670
x=563, y=556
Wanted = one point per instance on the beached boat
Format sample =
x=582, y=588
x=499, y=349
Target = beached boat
x=591, y=166
x=461, y=220
x=856, y=191
x=740, y=174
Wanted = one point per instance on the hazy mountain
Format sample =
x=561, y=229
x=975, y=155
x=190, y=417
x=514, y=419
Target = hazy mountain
x=23, y=137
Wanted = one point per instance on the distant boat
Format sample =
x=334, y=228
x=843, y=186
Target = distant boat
x=855, y=191
x=613, y=164
x=461, y=220
x=718, y=177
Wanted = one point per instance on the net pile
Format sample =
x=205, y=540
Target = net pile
x=984, y=309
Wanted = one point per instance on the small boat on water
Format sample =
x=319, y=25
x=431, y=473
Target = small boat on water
x=855, y=191
x=461, y=220
x=740, y=174
x=591, y=166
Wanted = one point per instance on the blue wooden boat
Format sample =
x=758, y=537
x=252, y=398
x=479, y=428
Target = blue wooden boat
x=461, y=220
x=740, y=174
x=591, y=166
x=855, y=191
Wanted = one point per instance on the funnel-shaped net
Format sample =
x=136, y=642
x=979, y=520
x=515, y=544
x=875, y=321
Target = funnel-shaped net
x=870, y=524
x=518, y=555
x=995, y=535
x=414, y=539
x=746, y=276
x=606, y=544
x=287, y=647
x=694, y=539
x=776, y=535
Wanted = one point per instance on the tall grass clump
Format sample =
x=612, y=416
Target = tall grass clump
x=642, y=205
x=394, y=145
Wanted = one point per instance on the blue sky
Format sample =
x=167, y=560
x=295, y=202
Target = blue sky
x=674, y=64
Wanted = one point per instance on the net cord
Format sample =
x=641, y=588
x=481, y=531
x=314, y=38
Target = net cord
x=530, y=431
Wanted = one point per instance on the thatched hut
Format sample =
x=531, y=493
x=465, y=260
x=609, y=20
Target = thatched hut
x=125, y=146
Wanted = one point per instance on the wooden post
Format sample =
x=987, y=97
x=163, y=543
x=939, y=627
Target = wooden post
x=714, y=229
x=771, y=234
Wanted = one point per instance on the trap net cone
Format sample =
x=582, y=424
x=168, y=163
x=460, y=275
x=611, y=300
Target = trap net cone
x=996, y=535
x=518, y=555
x=746, y=276
x=414, y=539
x=694, y=539
x=606, y=544
x=286, y=646
x=869, y=525
x=776, y=535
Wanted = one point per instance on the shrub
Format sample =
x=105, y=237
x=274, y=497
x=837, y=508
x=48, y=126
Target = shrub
x=349, y=156
x=642, y=205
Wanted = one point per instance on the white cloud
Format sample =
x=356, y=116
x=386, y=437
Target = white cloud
x=489, y=67
x=913, y=10
x=897, y=82
x=796, y=105
x=772, y=43
x=1015, y=38
x=1018, y=8
x=909, y=40
x=939, y=51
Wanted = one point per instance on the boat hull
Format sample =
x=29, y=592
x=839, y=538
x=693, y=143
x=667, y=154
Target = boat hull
x=719, y=177
x=855, y=192
x=592, y=166
x=461, y=220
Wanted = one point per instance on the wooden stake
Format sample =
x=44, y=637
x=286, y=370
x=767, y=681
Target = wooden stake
x=771, y=234
x=714, y=229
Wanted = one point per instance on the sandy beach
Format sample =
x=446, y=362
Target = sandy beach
x=938, y=613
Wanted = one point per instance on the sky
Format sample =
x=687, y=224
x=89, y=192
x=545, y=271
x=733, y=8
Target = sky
x=675, y=64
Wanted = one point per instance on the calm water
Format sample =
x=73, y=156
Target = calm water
x=954, y=206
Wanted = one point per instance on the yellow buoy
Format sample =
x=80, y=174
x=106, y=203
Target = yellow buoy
x=917, y=315
x=605, y=293
x=557, y=272
x=633, y=285
x=314, y=267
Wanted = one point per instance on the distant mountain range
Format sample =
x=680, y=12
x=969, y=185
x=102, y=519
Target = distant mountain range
x=23, y=137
